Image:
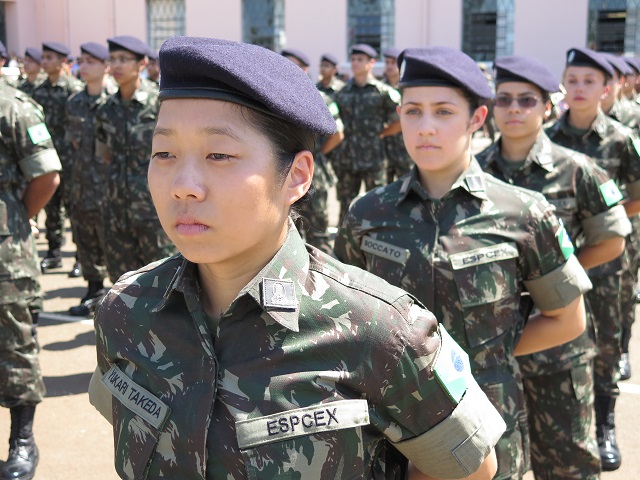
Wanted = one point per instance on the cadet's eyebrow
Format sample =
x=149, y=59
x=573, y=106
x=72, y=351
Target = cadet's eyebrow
x=169, y=132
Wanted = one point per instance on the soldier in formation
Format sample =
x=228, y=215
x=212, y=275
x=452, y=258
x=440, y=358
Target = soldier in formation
x=34, y=75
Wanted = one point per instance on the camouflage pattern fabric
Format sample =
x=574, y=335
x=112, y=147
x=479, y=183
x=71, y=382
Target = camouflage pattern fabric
x=400, y=162
x=334, y=87
x=630, y=276
x=26, y=152
x=124, y=130
x=561, y=417
x=614, y=147
x=350, y=182
x=312, y=372
x=468, y=257
x=627, y=113
x=87, y=182
x=27, y=87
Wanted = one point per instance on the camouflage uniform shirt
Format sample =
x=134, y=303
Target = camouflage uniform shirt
x=124, y=131
x=365, y=111
x=311, y=369
x=587, y=202
x=334, y=87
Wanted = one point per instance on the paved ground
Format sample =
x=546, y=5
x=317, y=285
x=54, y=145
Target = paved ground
x=75, y=442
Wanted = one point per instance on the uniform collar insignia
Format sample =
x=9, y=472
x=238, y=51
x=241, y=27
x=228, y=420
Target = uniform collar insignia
x=473, y=180
x=278, y=294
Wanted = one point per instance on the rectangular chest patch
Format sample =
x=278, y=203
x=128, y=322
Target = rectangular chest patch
x=135, y=398
x=302, y=421
x=384, y=250
x=478, y=256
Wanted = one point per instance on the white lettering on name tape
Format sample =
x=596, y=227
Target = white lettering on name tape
x=494, y=253
x=384, y=250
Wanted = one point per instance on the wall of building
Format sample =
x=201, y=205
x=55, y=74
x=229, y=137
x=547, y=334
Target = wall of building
x=215, y=18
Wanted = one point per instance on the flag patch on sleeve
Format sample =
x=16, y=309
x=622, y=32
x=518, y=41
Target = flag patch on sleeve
x=38, y=133
x=452, y=368
x=565, y=242
x=610, y=192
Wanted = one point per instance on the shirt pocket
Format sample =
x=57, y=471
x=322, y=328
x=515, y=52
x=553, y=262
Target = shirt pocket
x=486, y=280
x=320, y=441
x=385, y=260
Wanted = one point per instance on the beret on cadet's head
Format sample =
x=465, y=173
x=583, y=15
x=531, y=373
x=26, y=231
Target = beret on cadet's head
x=584, y=57
x=617, y=63
x=245, y=74
x=56, y=47
x=329, y=57
x=128, y=43
x=633, y=63
x=297, y=54
x=3, y=51
x=96, y=50
x=442, y=67
x=34, y=54
x=152, y=54
x=363, y=48
x=391, y=52
x=518, y=68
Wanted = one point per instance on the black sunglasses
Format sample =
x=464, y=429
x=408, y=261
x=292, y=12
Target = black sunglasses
x=528, y=101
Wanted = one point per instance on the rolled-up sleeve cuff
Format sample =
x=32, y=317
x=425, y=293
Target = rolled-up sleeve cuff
x=633, y=190
x=457, y=446
x=100, y=396
x=559, y=287
x=610, y=224
x=40, y=163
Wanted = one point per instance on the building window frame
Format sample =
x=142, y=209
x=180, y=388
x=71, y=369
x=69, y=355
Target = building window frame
x=371, y=22
x=263, y=23
x=498, y=28
x=165, y=19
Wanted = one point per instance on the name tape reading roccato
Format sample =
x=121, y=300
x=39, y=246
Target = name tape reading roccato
x=135, y=398
x=302, y=421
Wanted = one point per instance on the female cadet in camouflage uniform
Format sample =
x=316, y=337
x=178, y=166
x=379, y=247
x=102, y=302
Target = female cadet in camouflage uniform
x=247, y=355
x=558, y=382
x=468, y=245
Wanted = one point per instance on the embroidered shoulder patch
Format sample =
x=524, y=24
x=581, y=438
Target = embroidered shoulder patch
x=39, y=133
x=452, y=368
x=565, y=242
x=610, y=192
x=137, y=399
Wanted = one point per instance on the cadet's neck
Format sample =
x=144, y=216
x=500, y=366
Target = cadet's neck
x=360, y=79
x=31, y=78
x=438, y=183
x=53, y=77
x=95, y=87
x=393, y=80
x=582, y=119
x=517, y=149
x=128, y=89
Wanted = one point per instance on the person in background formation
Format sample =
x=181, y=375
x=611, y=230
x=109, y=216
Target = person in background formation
x=614, y=147
x=34, y=75
x=314, y=221
x=618, y=107
x=466, y=244
x=329, y=83
x=628, y=88
x=124, y=130
x=558, y=383
x=52, y=95
x=290, y=364
x=29, y=166
x=368, y=111
x=88, y=173
x=4, y=57
x=153, y=67
x=399, y=160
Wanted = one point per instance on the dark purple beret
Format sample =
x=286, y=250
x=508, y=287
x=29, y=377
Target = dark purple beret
x=3, y=51
x=152, y=54
x=299, y=55
x=633, y=63
x=518, y=68
x=56, y=47
x=618, y=63
x=96, y=50
x=391, y=52
x=34, y=54
x=329, y=57
x=442, y=66
x=128, y=43
x=363, y=48
x=245, y=74
x=584, y=57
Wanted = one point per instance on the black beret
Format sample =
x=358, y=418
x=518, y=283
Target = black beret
x=633, y=63
x=329, y=57
x=442, y=66
x=295, y=53
x=96, y=50
x=56, y=47
x=618, y=63
x=245, y=74
x=3, y=51
x=584, y=57
x=518, y=68
x=364, y=48
x=391, y=52
x=129, y=43
x=34, y=54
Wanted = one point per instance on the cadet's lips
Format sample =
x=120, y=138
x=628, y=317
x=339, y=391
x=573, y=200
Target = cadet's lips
x=190, y=227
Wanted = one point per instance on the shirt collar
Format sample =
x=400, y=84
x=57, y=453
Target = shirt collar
x=277, y=288
x=599, y=125
x=471, y=180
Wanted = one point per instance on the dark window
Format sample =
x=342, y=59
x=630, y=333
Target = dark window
x=165, y=18
x=614, y=25
x=3, y=25
x=371, y=22
x=263, y=23
x=487, y=28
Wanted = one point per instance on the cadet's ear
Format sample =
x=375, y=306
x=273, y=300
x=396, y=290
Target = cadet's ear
x=300, y=176
x=478, y=118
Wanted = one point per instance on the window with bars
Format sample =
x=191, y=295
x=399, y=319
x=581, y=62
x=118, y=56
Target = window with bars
x=614, y=26
x=165, y=18
x=263, y=23
x=371, y=22
x=487, y=28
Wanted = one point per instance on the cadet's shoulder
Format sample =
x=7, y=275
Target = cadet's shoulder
x=616, y=129
x=77, y=98
x=486, y=155
x=511, y=198
x=381, y=197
